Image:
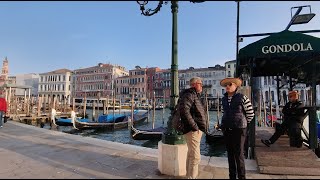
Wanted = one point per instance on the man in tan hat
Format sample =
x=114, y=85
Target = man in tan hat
x=293, y=113
x=237, y=113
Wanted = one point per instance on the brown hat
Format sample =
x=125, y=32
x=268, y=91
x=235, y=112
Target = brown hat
x=226, y=81
x=293, y=93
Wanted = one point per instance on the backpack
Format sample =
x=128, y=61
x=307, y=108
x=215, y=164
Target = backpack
x=176, y=120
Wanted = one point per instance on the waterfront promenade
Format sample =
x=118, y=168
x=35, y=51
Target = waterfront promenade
x=31, y=152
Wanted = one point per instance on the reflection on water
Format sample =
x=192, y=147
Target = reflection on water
x=161, y=118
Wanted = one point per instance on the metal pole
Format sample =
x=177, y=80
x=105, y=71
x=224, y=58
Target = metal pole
x=290, y=84
x=237, y=40
x=237, y=37
x=132, y=107
x=291, y=21
x=313, y=113
x=278, y=90
x=218, y=110
x=270, y=106
x=154, y=108
x=170, y=136
x=207, y=111
x=163, y=106
x=252, y=129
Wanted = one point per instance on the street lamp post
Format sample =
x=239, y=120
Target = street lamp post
x=170, y=136
x=167, y=164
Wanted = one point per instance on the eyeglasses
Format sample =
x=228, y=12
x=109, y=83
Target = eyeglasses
x=229, y=84
x=199, y=83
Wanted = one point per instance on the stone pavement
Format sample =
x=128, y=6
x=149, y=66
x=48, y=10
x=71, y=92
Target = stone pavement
x=29, y=152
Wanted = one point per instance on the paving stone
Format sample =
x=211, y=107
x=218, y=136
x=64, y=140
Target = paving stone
x=29, y=152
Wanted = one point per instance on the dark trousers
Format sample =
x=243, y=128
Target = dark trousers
x=283, y=127
x=294, y=132
x=295, y=137
x=235, y=139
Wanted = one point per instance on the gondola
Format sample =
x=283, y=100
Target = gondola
x=215, y=137
x=137, y=118
x=67, y=121
x=64, y=121
x=147, y=134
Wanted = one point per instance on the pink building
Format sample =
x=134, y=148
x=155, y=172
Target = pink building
x=97, y=81
x=138, y=83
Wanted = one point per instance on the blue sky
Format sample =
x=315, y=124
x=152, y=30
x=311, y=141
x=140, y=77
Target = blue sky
x=39, y=37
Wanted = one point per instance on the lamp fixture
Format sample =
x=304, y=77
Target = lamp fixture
x=298, y=18
x=303, y=18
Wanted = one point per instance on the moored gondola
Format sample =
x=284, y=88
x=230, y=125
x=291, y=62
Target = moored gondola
x=147, y=134
x=215, y=137
x=118, y=124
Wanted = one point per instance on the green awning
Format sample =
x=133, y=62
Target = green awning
x=283, y=44
x=285, y=52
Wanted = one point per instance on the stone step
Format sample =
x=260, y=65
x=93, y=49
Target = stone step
x=289, y=170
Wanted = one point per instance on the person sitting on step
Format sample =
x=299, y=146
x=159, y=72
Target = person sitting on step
x=293, y=115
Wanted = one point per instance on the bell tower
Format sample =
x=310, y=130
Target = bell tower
x=5, y=69
x=4, y=72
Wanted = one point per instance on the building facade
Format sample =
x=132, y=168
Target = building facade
x=123, y=89
x=138, y=84
x=31, y=79
x=4, y=73
x=211, y=78
x=97, y=81
x=55, y=84
x=230, y=68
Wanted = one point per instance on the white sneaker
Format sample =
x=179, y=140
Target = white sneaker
x=191, y=177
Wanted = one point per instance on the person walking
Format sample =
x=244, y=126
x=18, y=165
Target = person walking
x=3, y=109
x=293, y=115
x=193, y=116
x=237, y=113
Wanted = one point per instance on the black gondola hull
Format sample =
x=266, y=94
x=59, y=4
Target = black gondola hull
x=215, y=137
x=150, y=134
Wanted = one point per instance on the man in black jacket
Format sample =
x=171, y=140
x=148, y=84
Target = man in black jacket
x=237, y=113
x=293, y=114
x=193, y=116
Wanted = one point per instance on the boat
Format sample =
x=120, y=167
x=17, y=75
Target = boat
x=159, y=107
x=67, y=121
x=148, y=134
x=138, y=117
x=144, y=106
x=215, y=137
x=64, y=120
x=109, y=118
x=125, y=106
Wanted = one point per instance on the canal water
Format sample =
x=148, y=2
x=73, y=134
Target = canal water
x=160, y=120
